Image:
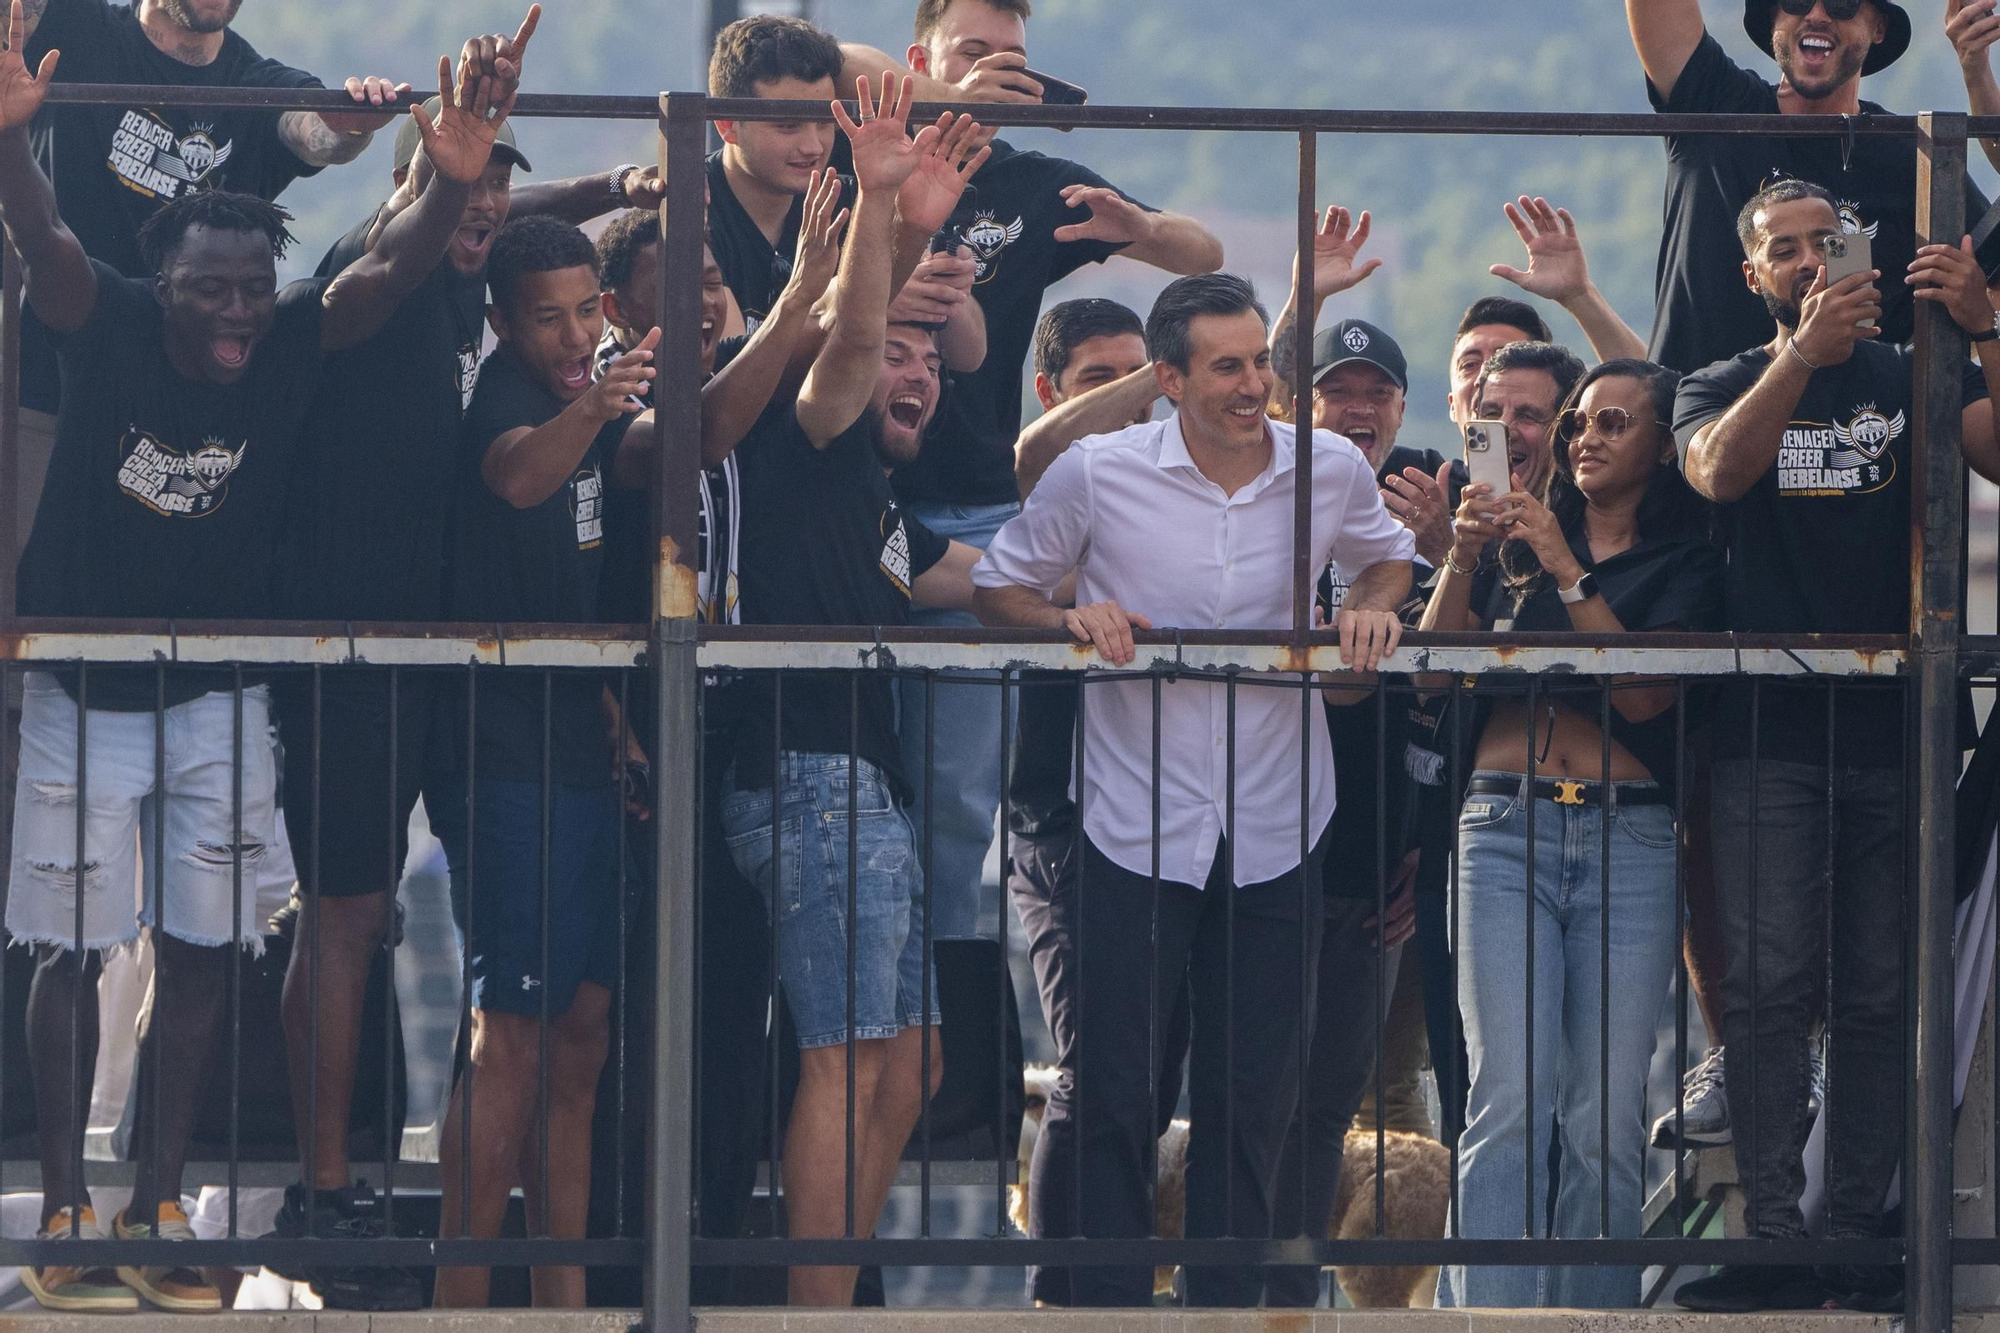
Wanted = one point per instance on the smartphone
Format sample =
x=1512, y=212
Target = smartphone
x=1058, y=92
x=1848, y=253
x=1486, y=455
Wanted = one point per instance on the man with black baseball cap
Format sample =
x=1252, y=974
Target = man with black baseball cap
x=1704, y=313
x=366, y=542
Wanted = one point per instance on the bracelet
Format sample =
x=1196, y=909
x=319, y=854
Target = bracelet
x=618, y=175
x=1792, y=346
x=1456, y=568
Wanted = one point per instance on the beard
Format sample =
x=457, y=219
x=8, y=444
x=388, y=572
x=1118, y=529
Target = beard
x=901, y=453
x=1847, y=64
x=182, y=12
x=1787, y=313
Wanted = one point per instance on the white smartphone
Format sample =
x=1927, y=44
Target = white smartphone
x=1848, y=253
x=1486, y=455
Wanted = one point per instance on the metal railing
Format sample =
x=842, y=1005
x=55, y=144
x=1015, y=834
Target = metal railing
x=676, y=650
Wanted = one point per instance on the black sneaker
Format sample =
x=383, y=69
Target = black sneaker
x=1870, y=1288
x=330, y=1215
x=1747, y=1288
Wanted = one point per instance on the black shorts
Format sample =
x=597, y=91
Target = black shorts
x=362, y=816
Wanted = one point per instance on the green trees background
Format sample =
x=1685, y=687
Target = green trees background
x=1436, y=201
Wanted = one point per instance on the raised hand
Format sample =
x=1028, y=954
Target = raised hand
x=1950, y=275
x=1972, y=26
x=460, y=140
x=621, y=390
x=999, y=77
x=1831, y=317
x=21, y=93
x=952, y=157
x=818, y=255
x=1112, y=217
x=1556, y=269
x=884, y=154
x=1336, y=249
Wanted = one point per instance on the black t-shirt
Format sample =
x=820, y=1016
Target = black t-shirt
x=541, y=564
x=824, y=543
x=754, y=269
x=1038, y=799
x=1820, y=545
x=1703, y=311
x=1659, y=583
x=113, y=166
x=1008, y=217
x=165, y=495
x=371, y=513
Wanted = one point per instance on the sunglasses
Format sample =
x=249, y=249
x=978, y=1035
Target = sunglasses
x=1838, y=10
x=1611, y=422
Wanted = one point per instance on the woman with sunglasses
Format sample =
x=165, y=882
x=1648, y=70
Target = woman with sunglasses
x=1617, y=542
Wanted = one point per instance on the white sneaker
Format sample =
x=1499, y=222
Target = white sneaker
x=1704, y=1110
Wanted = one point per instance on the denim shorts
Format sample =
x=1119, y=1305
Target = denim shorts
x=809, y=883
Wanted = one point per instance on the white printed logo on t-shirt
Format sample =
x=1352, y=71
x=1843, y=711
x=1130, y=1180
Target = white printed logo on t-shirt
x=147, y=156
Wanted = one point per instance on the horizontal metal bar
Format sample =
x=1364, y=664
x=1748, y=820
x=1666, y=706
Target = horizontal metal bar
x=1487, y=658
x=1150, y=1253
x=412, y=1177
x=278, y=643
x=593, y=106
x=607, y=1251
x=1328, y=120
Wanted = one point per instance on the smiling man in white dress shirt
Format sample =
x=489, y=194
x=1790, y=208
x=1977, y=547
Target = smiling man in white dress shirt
x=1187, y=523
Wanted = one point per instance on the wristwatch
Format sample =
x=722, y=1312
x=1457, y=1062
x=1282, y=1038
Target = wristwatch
x=1582, y=590
x=618, y=175
x=1987, y=335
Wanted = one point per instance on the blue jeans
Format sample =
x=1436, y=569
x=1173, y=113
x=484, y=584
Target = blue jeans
x=961, y=804
x=1572, y=1011
x=809, y=880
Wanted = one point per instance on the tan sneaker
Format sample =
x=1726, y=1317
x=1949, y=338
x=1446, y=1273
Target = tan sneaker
x=75, y=1288
x=179, y=1289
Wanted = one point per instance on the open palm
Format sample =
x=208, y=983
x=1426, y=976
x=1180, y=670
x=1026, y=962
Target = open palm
x=1337, y=262
x=1556, y=267
x=884, y=155
x=460, y=140
x=21, y=93
x=946, y=161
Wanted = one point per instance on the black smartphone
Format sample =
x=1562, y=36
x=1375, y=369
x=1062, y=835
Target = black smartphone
x=1058, y=92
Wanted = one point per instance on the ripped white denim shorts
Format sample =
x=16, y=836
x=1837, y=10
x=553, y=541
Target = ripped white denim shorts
x=198, y=834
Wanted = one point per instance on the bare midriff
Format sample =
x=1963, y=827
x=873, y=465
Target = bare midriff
x=1574, y=750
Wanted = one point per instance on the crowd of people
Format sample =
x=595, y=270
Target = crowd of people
x=872, y=291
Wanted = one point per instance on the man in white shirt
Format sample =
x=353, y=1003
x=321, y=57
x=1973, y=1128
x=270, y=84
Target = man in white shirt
x=1188, y=522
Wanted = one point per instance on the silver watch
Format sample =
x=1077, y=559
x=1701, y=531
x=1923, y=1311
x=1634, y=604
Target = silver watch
x=618, y=175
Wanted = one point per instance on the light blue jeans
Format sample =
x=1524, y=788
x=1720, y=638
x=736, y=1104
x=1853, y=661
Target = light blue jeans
x=1504, y=1150
x=961, y=796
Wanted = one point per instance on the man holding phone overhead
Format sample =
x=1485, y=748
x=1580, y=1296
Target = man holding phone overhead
x=1028, y=221
x=1823, y=48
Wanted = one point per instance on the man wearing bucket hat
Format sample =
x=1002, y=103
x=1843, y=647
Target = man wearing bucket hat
x=1703, y=311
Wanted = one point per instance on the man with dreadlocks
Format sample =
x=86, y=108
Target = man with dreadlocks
x=173, y=448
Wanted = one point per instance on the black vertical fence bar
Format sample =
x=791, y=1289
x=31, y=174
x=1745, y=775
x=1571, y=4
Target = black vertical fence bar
x=1605, y=811
x=547, y=803
x=1078, y=840
x=1680, y=957
x=392, y=1151
x=312, y=920
x=468, y=1079
x=621, y=1013
x=1825, y=1041
x=777, y=1027
x=1002, y=979
x=1454, y=1110
x=853, y=920
x=1381, y=995
x=83, y=974
x=1747, y=1180
x=1153, y=971
x=1229, y=940
x=157, y=876
x=10, y=427
x=677, y=438
x=1301, y=372
x=930, y=965
x=7, y=743
x=236, y=940
x=1934, y=635
x=1528, y=1211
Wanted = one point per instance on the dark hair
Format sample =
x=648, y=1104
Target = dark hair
x=766, y=48
x=931, y=12
x=1066, y=326
x=219, y=210
x=1505, y=310
x=535, y=244
x=619, y=245
x=1787, y=191
x=1186, y=298
x=1560, y=363
x=1669, y=508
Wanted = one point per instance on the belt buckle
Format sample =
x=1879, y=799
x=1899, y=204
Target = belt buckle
x=1569, y=793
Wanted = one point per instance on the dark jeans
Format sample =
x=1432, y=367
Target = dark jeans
x=1042, y=880
x=1343, y=1057
x=1247, y=956
x=1766, y=1027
